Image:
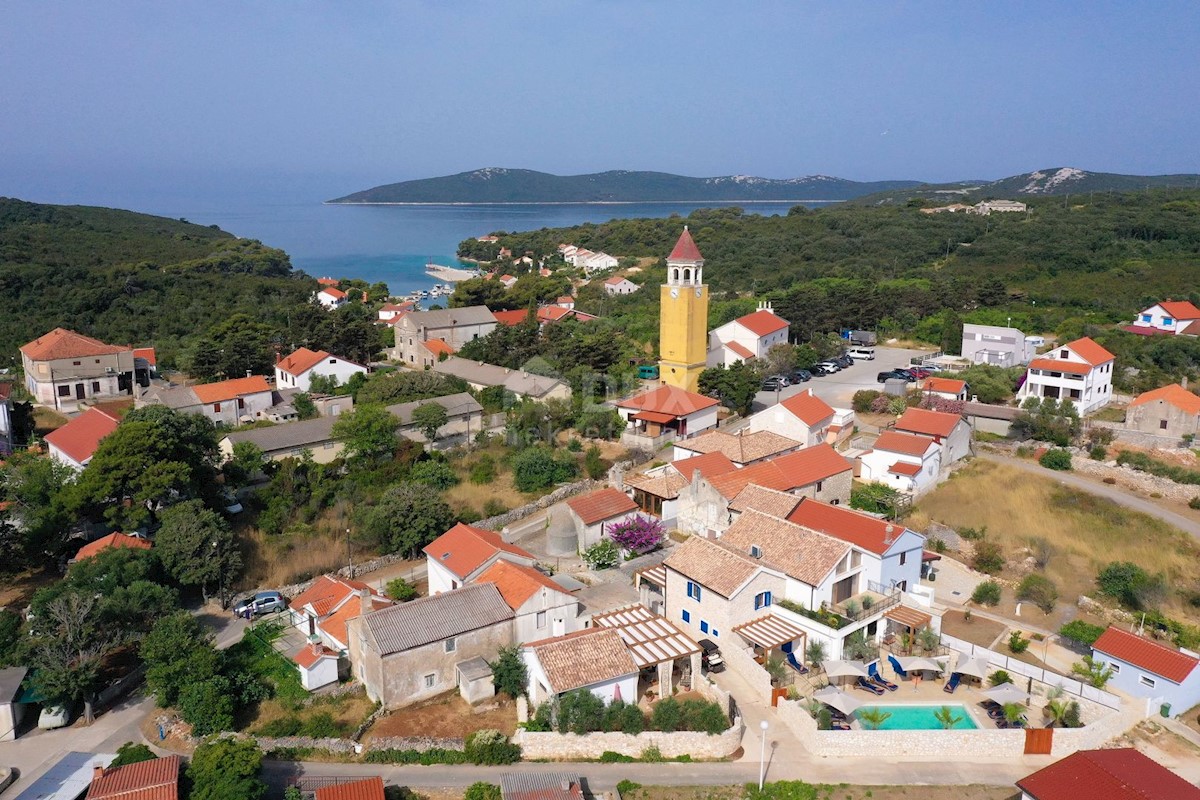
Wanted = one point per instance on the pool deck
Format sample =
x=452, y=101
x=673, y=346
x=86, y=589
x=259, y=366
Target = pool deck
x=930, y=693
x=974, y=711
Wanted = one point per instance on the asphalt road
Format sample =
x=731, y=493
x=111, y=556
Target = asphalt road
x=838, y=389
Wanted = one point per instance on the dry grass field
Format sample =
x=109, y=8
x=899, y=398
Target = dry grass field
x=279, y=560
x=1085, y=531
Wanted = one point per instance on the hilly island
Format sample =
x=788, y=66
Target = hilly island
x=501, y=185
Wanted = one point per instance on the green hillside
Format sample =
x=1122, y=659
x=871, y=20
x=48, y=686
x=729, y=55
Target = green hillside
x=137, y=279
x=498, y=185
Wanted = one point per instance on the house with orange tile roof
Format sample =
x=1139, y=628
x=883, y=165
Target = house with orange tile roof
x=747, y=337
x=297, y=369
x=667, y=411
x=1120, y=773
x=951, y=431
x=75, y=443
x=454, y=326
x=804, y=417
x=232, y=402
x=362, y=789
x=331, y=298
x=1172, y=411
x=907, y=462
x=1080, y=371
x=461, y=554
x=742, y=448
x=317, y=665
x=323, y=611
x=109, y=542
x=507, y=281
x=156, y=779
x=64, y=368
x=595, y=659
x=1149, y=669
x=541, y=607
x=899, y=549
x=945, y=388
x=657, y=491
x=619, y=284
x=388, y=312
x=1173, y=317
x=594, y=512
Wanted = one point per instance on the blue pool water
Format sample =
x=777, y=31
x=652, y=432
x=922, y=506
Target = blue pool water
x=920, y=718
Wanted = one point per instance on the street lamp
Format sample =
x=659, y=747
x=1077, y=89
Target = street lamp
x=762, y=755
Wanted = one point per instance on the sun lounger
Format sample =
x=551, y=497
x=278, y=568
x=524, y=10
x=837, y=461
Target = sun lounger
x=952, y=684
x=796, y=665
x=896, y=666
x=839, y=725
x=878, y=679
x=865, y=685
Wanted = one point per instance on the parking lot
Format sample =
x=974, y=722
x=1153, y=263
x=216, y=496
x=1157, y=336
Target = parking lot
x=837, y=390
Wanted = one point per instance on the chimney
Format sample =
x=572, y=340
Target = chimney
x=1183, y=381
x=364, y=595
x=889, y=534
x=97, y=771
x=315, y=644
x=566, y=785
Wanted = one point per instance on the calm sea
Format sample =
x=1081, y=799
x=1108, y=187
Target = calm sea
x=392, y=244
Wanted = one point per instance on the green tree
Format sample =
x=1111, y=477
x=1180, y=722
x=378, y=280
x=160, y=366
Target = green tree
x=178, y=652
x=482, y=790
x=226, y=768
x=434, y=473
x=68, y=650
x=1096, y=673
x=198, y=548
x=594, y=464
x=401, y=590
x=508, y=672
x=304, y=405
x=815, y=652
x=429, y=419
x=1040, y=590
x=322, y=384
x=873, y=718
x=208, y=705
x=734, y=386
x=247, y=462
x=946, y=717
x=407, y=517
x=38, y=490
x=369, y=433
x=130, y=753
x=536, y=468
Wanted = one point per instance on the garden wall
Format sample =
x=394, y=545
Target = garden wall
x=745, y=665
x=570, y=746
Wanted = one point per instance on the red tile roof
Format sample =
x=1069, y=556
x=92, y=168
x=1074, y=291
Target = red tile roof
x=157, y=779
x=602, y=504
x=902, y=468
x=1174, y=394
x=808, y=408
x=907, y=443
x=465, y=548
x=615, y=279
x=113, y=540
x=146, y=353
x=862, y=530
x=80, y=437
x=335, y=293
x=709, y=464
x=1146, y=654
x=1060, y=365
x=930, y=423
x=438, y=346
x=785, y=473
x=1091, y=352
x=1180, y=309
x=669, y=400
x=63, y=343
x=685, y=249
x=308, y=656
x=762, y=322
x=516, y=582
x=511, y=317
x=1145, y=330
x=327, y=281
x=654, y=416
x=950, y=385
x=327, y=594
x=1121, y=773
x=302, y=361
x=740, y=350
x=337, y=625
x=230, y=390
x=365, y=789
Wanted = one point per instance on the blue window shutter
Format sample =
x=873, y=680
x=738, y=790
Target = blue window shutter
x=687, y=616
x=703, y=626
x=715, y=633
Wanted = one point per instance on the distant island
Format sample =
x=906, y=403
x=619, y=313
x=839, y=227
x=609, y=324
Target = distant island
x=501, y=185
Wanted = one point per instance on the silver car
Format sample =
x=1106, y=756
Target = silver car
x=259, y=604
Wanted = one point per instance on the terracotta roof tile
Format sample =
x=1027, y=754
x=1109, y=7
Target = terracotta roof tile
x=157, y=779
x=146, y=353
x=308, y=656
x=365, y=789
x=712, y=565
x=1091, y=352
x=337, y=625
x=949, y=385
x=808, y=408
x=1121, y=773
x=1146, y=654
x=804, y=554
x=904, y=468
x=709, y=465
x=929, y=423
x=739, y=449
x=685, y=248
x=862, y=530
x=63, y=343
x=907, y=443
x=785, y=473
x=511, y=318
x=1174, y=395
x=582, y=658
x=601, y=504
x=302, y=361
x=80, y=437
x=337, y=294
x=112, y=540
x=231, y=389
x=516, y=582
x=1180, y=309
x=768, y=501
x=762, y=322
x=438, y=346
x=667, y=485
x=740, y=350
x=465, y=548
x=669, y=400
x=328, y=594
x=1060, y=365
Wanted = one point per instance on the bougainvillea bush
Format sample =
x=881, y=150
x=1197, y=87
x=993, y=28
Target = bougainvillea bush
x=637, y=534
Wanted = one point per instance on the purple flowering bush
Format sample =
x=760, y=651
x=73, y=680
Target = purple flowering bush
x=637, y=534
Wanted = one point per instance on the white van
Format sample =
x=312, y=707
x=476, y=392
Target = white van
x=861, y=353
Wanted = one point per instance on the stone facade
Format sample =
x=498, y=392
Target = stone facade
x=1161, y=418
x=713, y=616
x=570, y=746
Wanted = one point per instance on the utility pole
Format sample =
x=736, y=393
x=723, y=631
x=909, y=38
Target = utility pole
x=349, y=556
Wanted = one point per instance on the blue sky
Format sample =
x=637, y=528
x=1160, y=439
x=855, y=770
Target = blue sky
x=349, y=95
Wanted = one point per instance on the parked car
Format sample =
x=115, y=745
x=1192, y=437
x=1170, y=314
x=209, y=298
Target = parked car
x=259, y=604
x=710, y=656
x=861, y=353
x=54, y=717
x=831, y=365
x=801, y=375
x=903, y=375
x=845, y=360
x=919, y=372
x=821, y=369
x=774, y=383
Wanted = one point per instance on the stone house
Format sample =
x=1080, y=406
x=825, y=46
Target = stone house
x=1168, y=411
x=408, y=652
x=524, y=384
x=463, y=412
x=296, y=370
x=803, y=417
x=592, y=513
x=950, y=431
x=541, y=608
x=656, y=491
x=461, y=554
x=289, y=440
x=323, y=611
x=63, y=368
x=454, y=326
x=741, y=449
x=230, y=403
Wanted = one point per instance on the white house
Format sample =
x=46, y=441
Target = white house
x=899, y=549
x=459, y=555
x=1145, y=668
x=389, y=311
x=903, y=461
x=595, y=659
x=541, y=607
x=746, y=337
x=454, y=326
x=6, y=414
x=998, y=345
x=232, y=403
x=1002, y=206
x=668, y=410
x=317, y=665
x=1170, y=316
x=593, y=513
x=1081, y=371
x=331, y=297
x=945, y=388
x=296, y=370
x=507, y=281
x=950, y=431
x=323, y=611
x=803, y=417
x=75, y=443
x=596, y=262
x=620, y=285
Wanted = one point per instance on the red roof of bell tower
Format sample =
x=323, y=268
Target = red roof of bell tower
x=685, y=248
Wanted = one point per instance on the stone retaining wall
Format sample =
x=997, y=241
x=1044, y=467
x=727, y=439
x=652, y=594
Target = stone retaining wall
x=570, y=746
x=419, y=743
x=343, y=746
x=545, y=501
x=739, y=660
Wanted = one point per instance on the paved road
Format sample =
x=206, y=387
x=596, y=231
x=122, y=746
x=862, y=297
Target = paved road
x=838, y=389
x=1095, y=486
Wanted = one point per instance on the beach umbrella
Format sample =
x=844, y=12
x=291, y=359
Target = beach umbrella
x=836, y=698
x=845, y=669
x=1006, y=693
x=974, y=666
x=910, y=663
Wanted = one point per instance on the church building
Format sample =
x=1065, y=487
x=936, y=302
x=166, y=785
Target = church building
x=683, y=318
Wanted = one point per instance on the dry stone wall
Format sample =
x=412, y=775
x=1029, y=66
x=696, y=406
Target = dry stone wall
x=568, y=746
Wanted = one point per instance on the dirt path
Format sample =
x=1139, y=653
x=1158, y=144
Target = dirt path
x=1114, y=493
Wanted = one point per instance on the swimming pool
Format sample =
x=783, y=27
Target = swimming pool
x=920, y=717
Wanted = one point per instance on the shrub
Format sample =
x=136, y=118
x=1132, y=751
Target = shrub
x=130, y=753
x=1039, y=590
x=1017, y=643
x=625, y=786
x=652, y=755
x=494, y=508
x=593, y=464
x=580, y=712
x=988, y=557
x=1095, y=673
x=1132, y=585
x=1071, y=717
x=973, y=534
x=484, y=470
x=1194, y=502
x=873, y=497
x=1083, y=632
x=604, y=554
x=1146, y=463
x=207, y=706
x=491, y=748
x=702, y=715
x=434, y=755
x=824, y=719
x=613, y=757
x=623, y=717
x=437, y=474
x=508, y=672
x=574, y=445
x=401, y=590
x=863, y=399
x=637, y=534
x=536, y=468
x=986, y=593
x=1056, y=459
x=1110, y=481
x=998, y=677
x=667, y=715
x=482, y=790
x=1098, y=453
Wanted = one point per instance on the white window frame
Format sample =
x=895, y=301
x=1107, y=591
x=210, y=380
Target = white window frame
x=540, y=619
x=431, y=680
x=1147, y=681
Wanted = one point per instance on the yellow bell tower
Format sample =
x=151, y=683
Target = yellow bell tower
x=683, y=317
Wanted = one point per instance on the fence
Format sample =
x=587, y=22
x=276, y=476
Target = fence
x=1016, y=667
